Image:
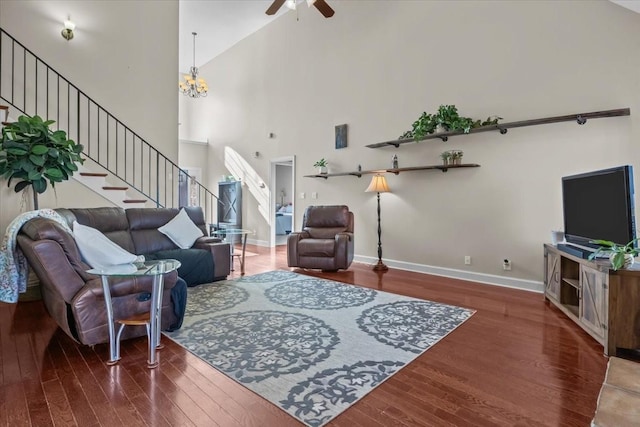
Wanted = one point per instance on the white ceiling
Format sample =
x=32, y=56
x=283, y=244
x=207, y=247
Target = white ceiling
x=222, y=23
x=629, y=4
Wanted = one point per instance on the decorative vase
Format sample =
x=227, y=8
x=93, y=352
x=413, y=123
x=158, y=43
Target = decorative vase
x=322, y=169
x=629, y=260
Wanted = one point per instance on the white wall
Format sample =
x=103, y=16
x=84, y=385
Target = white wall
x=124, y=56
x=377, y=65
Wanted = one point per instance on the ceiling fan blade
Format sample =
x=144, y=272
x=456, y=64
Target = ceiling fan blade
x=274, y=7
x=324, y=8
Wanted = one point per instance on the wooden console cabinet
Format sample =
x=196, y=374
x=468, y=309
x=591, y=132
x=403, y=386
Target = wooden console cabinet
x=605, y=303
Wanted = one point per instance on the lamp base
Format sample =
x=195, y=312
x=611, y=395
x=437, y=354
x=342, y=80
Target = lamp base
x=380, y=266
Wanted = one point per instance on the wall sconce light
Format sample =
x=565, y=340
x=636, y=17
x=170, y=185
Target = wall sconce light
x=67, y=32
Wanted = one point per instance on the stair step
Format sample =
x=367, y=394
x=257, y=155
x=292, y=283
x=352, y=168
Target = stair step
x=135, y=201
x=115, y=188
x=101, y=175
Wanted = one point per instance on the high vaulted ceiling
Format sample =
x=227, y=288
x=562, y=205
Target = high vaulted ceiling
x=222, y=23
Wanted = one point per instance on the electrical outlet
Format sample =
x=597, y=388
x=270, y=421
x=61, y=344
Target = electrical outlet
x=506, y=264
x=302, y=195
x=467, y=260
x=314, y=195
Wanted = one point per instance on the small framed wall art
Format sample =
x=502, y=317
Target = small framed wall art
x=341, y=136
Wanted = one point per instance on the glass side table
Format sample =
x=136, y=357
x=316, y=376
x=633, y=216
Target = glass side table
x=228, y=232
x=151, y=320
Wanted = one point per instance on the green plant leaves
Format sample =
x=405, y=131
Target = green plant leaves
x=448, y=118
x=36, y=155
x=39, y=149
x=37, y=160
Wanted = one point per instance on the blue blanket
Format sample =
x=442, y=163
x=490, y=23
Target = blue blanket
x=13, y=265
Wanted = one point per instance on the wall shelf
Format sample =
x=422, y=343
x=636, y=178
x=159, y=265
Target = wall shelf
x=395, y=171
x=580, y=118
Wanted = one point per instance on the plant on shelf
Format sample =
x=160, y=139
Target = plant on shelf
x=456, y=156
x=446, y=158
x=423, y=126
x=321, y=165
x=34, y=154
x=621, y=256
x=446, y=119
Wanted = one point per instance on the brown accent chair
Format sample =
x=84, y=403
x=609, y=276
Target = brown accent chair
x=74, y=298
x=326, y=239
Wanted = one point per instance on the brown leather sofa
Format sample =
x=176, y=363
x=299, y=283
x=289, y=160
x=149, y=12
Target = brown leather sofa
x=75, y=299
x=326, y=239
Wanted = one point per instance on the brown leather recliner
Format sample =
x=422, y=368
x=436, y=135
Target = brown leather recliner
x=74, y=298
x=326, y=239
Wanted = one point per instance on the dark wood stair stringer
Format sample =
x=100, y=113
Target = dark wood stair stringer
x=110, y=187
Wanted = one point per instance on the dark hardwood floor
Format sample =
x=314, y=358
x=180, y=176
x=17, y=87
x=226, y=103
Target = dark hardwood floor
x=517, y=362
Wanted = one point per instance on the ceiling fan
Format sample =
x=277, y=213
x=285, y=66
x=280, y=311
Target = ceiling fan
x=321, y=5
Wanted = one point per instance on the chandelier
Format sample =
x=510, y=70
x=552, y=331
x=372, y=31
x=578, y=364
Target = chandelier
x=192, y=85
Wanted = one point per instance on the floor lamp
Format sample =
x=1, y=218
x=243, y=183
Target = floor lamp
x=379, y=185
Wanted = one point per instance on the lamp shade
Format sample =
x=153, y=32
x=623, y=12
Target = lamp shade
x=378, y=184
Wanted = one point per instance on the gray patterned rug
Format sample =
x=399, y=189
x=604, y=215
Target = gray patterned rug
x=313, y=347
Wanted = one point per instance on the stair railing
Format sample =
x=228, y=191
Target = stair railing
x=32, y=87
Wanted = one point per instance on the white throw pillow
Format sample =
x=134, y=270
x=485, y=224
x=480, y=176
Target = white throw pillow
x=181, y=230
x=97, y=250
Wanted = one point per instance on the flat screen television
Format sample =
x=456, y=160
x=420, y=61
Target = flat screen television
x=599, y=205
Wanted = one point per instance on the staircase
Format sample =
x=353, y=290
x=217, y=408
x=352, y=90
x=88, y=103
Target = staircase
x=118, y=195
x=120, y=165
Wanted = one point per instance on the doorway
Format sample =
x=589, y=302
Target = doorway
x=282, y=203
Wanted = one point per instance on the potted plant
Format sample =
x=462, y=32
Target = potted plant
x=35, y=155
x=456, y=156
x=446, y=158
x=446, y=119
x=321, y=165
x=621, y=256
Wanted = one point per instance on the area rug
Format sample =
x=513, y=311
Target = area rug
x=313, y=347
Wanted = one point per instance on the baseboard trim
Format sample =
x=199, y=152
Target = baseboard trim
x=488, y=279
x=257, y=242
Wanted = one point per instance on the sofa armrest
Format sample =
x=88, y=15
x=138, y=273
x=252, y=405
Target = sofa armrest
x=206, y=239
x=292, y=247
x=221, y=253
x=344, y=249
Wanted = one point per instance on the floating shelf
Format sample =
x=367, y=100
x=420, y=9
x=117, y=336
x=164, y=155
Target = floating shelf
x=395, y=171
x=580, y=118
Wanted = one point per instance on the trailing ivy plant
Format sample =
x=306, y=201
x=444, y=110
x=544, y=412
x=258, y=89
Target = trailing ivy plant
x=34, y=155
x=448, y=118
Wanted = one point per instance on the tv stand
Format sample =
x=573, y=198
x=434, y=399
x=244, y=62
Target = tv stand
x=603, y=302
x=575, y=250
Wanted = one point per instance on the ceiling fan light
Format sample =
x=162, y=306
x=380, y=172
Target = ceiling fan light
x=291, y=4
